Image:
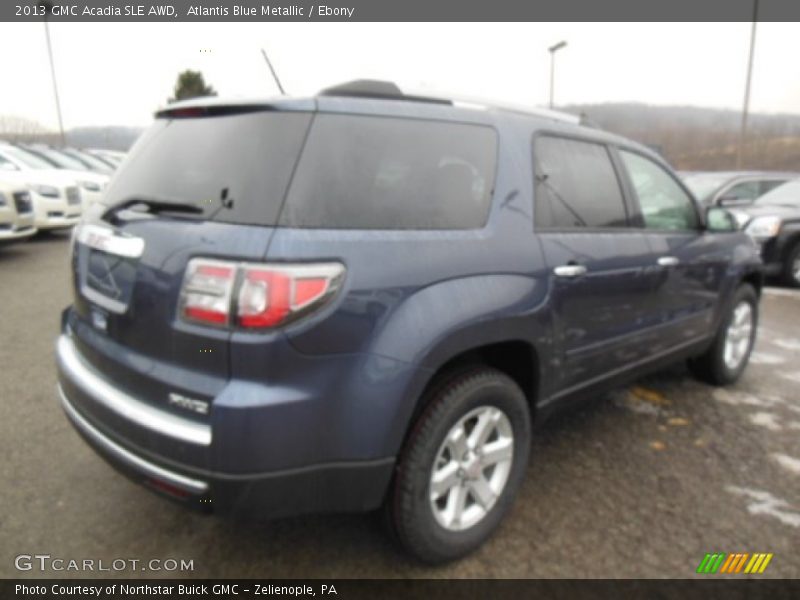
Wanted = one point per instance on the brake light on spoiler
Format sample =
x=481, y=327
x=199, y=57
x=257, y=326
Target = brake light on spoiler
x=254, y=295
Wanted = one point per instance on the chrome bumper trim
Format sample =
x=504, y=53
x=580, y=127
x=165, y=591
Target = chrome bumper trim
x=127, y=406
x=193, y=486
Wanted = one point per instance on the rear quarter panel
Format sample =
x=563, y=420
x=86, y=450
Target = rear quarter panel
x=415, y=299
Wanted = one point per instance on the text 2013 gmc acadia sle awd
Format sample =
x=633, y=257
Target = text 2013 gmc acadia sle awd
x=365, y=299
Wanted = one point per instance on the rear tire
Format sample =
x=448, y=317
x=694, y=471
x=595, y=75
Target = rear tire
x=791, y=267
x=725, y=361
x=461, y=466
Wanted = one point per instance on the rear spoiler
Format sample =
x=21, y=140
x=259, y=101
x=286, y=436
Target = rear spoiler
x=217, y=107
x=190, y=112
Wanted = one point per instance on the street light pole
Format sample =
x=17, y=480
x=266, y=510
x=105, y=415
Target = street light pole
x=47, y=7
x=553, y=50
x=746, y=107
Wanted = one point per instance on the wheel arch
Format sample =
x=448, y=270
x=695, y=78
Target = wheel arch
x=518, y=359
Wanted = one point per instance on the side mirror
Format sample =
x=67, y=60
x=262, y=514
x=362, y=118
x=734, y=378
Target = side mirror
x=720, y=220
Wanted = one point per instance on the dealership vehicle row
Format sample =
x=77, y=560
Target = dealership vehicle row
x=45, y=188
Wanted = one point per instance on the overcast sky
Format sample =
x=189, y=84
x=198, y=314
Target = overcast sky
x=119, y=73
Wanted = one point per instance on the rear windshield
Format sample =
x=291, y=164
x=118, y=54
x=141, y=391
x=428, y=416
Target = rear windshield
x=360, y=172
x=244, y=159
x=355, y=172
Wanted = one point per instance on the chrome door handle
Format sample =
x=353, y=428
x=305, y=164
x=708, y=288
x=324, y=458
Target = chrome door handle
x=668, y=261
x=570, y=271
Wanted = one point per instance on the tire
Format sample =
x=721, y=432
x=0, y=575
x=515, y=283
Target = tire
x=791, y=274
x=429, y=532
x=712, y=366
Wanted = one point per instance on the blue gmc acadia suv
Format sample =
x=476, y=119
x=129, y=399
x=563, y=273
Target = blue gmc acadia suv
x=365, y=299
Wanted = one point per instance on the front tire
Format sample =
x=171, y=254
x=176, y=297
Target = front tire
x=725, y=361
x=462, y=465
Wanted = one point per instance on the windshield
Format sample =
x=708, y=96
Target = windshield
x=60, y=160
x=26, y=158
x=703, y=186
x=234, y=167
x=787, y=194
x=92, y=162
x=109, y=159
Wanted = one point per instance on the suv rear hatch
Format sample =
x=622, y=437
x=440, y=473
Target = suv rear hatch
x=201, y=182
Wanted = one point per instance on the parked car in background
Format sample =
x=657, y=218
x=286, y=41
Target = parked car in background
x=16, y=209
x=773, y=221
x=733, y=188
x=92, y=183
x=55, y=193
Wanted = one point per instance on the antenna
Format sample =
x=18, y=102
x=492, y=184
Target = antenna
x=274, y=74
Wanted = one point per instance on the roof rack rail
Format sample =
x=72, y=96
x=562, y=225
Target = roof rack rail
x=485, y=104
x=373, y=88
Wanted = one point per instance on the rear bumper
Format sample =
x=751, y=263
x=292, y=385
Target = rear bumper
x=102, y=413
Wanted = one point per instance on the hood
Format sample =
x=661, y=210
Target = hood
x=769, y=210
x=56, y=177
x=98, y=178
x=14, y=180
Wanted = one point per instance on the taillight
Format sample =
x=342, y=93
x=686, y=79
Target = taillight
x=207, y=290
x=267, y=295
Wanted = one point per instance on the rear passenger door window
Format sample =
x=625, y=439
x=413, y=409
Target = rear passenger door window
x=664, y=203
x=576, y=185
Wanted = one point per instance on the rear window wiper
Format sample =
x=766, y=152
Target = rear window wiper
x=153, y=205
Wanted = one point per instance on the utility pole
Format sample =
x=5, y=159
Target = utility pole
x=553, y=50
x=746, y=107
x=47, y=8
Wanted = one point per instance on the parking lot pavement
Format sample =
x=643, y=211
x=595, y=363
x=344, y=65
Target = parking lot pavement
x=641, y=483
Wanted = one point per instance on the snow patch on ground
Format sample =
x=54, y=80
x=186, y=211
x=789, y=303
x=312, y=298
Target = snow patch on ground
x=764, y=503
x=764, y=358
x=789, y=463
x=765, y=419
x=794, y=376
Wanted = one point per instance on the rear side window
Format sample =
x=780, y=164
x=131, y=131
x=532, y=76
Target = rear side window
x=576, y=185
x=244, y=158
x=363, y=172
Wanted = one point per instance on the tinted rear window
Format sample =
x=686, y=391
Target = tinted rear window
x=576, y=185
x=363, y=172
x=192, y=160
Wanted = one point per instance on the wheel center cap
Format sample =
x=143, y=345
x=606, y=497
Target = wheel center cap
x=472, y=467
